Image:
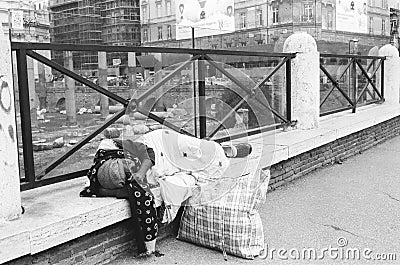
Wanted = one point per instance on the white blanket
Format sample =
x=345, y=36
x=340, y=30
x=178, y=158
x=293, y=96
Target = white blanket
x=181, y=161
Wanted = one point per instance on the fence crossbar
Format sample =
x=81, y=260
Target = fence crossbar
x=232, y=111
x=247, y=133
x=265, y=79
x=369, y=80
x=53, y=179
x=163, y=121
x=140, y=49
x=335, y=84
x=81, y=143
x=246, y=90
x=77, y=77
x=167, y=78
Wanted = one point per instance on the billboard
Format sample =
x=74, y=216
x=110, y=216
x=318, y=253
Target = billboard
x=17, y=19
x=209, y=17
x=351, y=15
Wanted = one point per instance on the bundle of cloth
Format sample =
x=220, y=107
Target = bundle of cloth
x=182, y=165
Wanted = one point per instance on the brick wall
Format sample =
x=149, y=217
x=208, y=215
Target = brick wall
x=98, y=247
x=106, y=244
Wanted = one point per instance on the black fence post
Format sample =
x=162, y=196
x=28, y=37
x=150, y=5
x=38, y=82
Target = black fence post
x=353, y=84
x=26, y=127
x=289, y=90
x=383, y=79
x=202, y=95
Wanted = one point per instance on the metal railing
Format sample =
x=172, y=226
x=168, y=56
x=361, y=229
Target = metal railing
x=356, y=82
x=32, y=179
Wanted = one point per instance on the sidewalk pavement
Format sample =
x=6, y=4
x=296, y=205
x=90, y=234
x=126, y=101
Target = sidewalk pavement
x=355, y=204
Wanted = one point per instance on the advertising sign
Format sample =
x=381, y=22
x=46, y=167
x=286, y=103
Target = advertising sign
x=17, y=19
x=116, y=61
x=207, y=17
x=351, y=15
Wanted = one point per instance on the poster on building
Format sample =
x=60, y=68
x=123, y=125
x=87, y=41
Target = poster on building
x=351, y=15
x=207, y=17
x=17, y=19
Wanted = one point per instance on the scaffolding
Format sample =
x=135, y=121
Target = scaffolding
x=104, y=22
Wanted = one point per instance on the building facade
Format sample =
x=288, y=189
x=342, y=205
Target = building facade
x=97, y=22
x=31, y=20
x=265, y=25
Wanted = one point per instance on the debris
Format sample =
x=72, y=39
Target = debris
x=154, y=127
x=59, y=142
x=42, y=146
x=82, y=111
x=38, y=141
x=140, y=129
x=110, y=133
x=128, y=132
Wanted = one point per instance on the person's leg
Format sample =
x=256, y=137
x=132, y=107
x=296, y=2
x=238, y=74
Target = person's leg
x=147, y=216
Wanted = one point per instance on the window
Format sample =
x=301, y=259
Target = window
x=393, y=26
x=242, y=20
x=371, y=25
x=158, y=7
x=275, y=14
x=145, y=35
x=308, y=12
x=160, y=33
x=169, y=32
x=168, y=7
x=144, y=14
x=330, y=20
x=259, y=17
x=383, y=27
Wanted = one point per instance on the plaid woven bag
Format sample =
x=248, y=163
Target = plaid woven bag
x=230, y=222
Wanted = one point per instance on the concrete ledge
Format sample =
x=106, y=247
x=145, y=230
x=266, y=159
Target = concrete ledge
x=56, y=214
x=52, y=219
x=289, y=144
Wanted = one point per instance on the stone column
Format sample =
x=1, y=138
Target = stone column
x=70, y=104
x=104, y=103
x=41, y=89
x=132, y=74
x=305, y=79
x=391, y=73
x=32, y=93
x=10, y=196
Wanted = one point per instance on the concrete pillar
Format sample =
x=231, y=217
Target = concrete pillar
x=132, y=74
x=41, y=86
x=32, y=92
x=10, y=196
x=104, y=103
x=391, y=73
x=70, y=104
x=305, y=79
